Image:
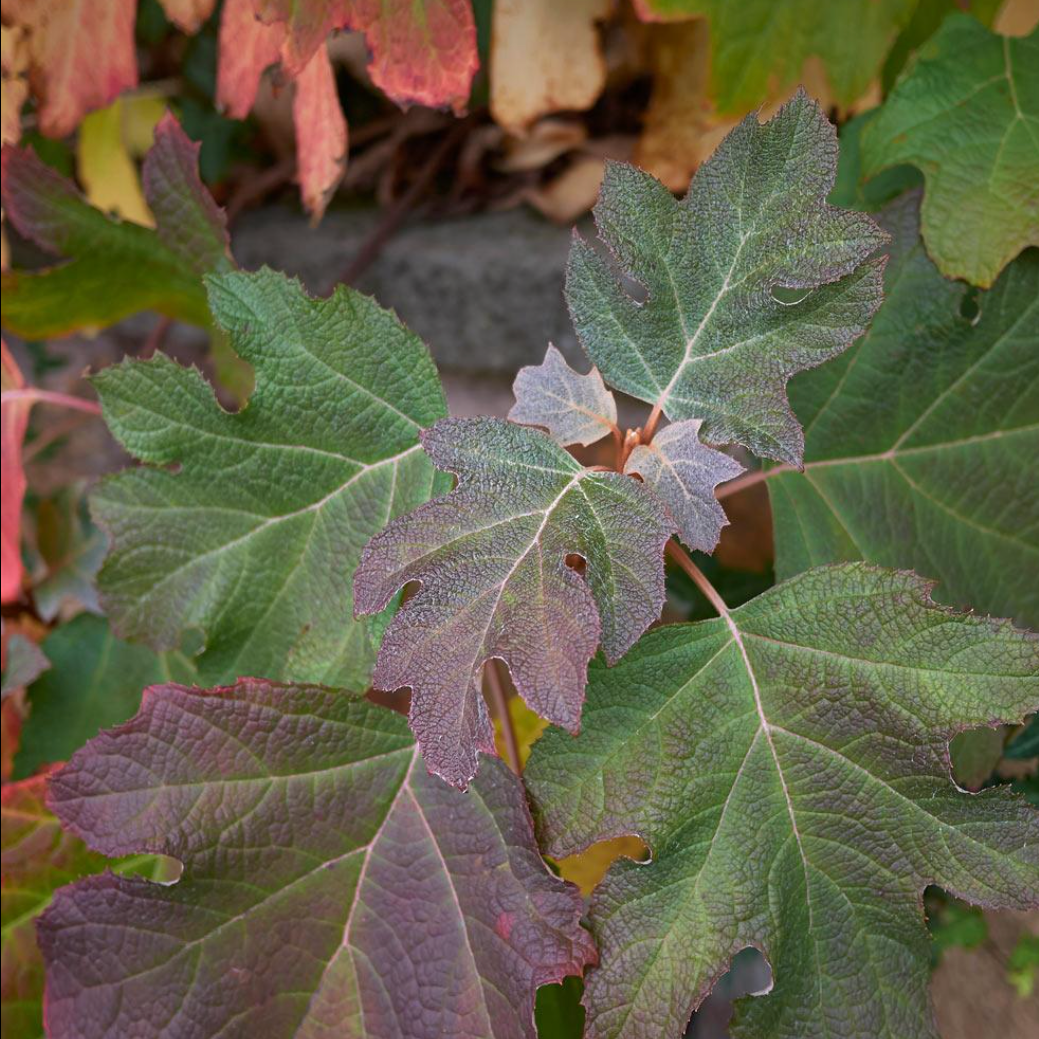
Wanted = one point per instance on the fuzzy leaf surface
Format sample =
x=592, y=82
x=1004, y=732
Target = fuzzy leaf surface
x=922, y=442
x=684, y=473
x=574, y=408
x=758, y=47
x=788, y=766
x=38, y=857
x=114, y=268
x=966, y=113
x=491, y=559
x=94, y=681
x=331, y=886
x=253, y=542
x=710, y=342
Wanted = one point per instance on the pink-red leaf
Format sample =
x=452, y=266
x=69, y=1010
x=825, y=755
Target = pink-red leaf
x=320, y=133
x=188, y=14
x=81, y=55
x=246, y=46
x=14, y=418
x=331, y=887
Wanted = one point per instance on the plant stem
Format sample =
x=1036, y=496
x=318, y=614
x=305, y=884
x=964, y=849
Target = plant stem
x=684, y=560
x=66, y=400
x=501, y=709
x=651, y=424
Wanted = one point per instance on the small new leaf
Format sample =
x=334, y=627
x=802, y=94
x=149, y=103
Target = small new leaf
x=331, y=887
x=115, y=268
x=967, y=114
x=491, y=558
x=684, y=473
x=711, y=341
x=574, y=408
x=254, y=539
x=788, y=765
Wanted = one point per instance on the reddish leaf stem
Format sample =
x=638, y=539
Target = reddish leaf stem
x=741, y=483
x=684, y=560
x=65, y=400
x=501, y=708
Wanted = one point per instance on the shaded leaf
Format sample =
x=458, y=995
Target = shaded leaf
x=81, y=56
x=711, y=342
x=253, y=541
x=491, y=558
x=574, y=408
x=684, y=473
x=545, y=57
x=967, y=113
x=24, y=662
x=922, y=445
x=94, y=681
x=330, y=885
x=38, y=857
x=975, y=754
x=788, y=766
x=1026, y=743
x=115, y=269
x=759, y=47
x=14, y=418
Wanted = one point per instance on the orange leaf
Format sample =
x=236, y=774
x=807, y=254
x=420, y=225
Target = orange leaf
x=320, y=133
x=81, y=55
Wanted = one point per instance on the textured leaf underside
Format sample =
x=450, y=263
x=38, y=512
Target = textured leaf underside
x=115, y=268
x=332, y=888
x=253, y=541
x=491, y=559
x=922, y=442
x=684, y=473
x=788, y=767
x=710, y=342
x=574, y=408
x=967, y=113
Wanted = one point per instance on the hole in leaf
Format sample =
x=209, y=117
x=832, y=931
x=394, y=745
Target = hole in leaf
x=576, y=562
x=970, y=308
x=749, y=975
x=789, y=297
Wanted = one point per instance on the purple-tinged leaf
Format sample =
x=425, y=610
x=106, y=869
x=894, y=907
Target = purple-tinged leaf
x=788, y=766
x=574, y=408
x=684, y=473
x=331, y=887
x=491, y=558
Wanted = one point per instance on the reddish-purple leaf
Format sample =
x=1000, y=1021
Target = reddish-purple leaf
x=331, y=887
x=491, y=558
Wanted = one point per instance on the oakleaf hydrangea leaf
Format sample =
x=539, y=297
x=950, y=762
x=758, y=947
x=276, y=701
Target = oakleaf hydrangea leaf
x=38, y=857
x=711, y=342
x=253, y=540
x=115, y=268
x=491, y=559
x=788, y=765
x=331, y=886
x=966, y=112
x=684, y=472
x=574, y=408
x=922, y=442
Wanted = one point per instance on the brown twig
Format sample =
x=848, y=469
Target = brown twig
x=685, y=561
x=500, y=703
x=396, y=213
x=253, y=188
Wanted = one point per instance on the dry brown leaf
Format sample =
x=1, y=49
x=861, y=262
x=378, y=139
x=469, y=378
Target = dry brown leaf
x=545, y=57
x=546, y=141
x=14, y=62
x=572, y=193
